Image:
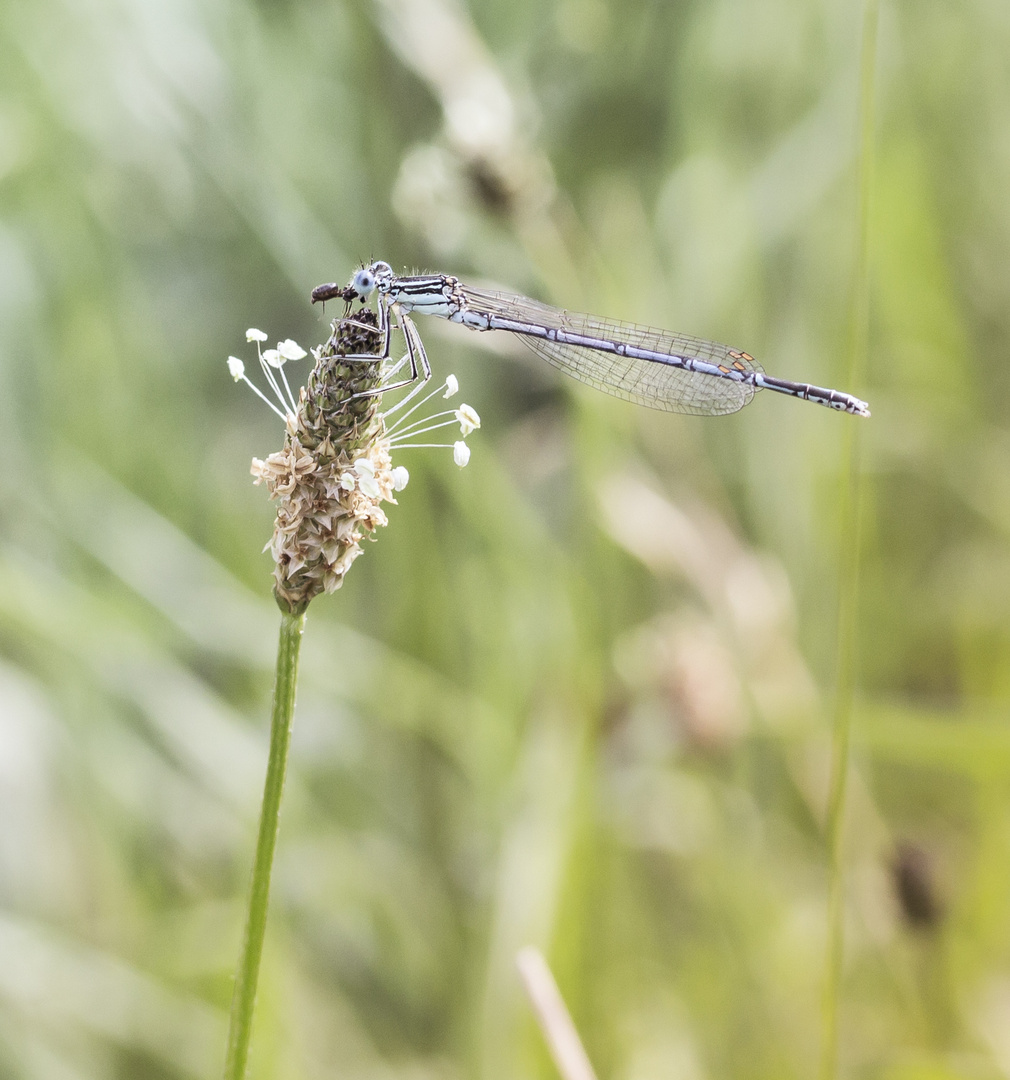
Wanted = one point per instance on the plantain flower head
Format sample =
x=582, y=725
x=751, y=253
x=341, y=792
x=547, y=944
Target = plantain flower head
x=335, y=470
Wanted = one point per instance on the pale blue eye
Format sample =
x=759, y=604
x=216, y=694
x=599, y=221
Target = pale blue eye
x=364, y=282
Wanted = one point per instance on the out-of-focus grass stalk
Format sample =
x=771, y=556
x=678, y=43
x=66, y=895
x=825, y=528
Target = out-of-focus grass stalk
x=247, y=974
x=849, y=538
x=552, y=1014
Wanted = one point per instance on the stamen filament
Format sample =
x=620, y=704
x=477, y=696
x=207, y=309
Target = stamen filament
x=422, y=446
x=427, y=397
x=424, y=420
x=423, y=430
x=403, y=401
x=268, y=375
x=259, y=393
x=291, y=397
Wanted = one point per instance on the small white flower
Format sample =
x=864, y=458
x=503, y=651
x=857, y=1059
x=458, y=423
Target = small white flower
x=451, y=386
x=400, y=478
x=290, y=350
x=367, y=484
x=273, y=358
x=252, y=334
x=468, y=420
x=460, y=453
x=236, y=368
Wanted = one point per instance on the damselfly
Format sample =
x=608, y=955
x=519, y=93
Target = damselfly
x=652, y=367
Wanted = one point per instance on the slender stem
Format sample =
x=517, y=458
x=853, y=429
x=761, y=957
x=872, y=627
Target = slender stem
x=247, y=973
x=552, y=1014
x=849, y=536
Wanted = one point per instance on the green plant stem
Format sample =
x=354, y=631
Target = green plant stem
x=849, y=537
x=247, y=973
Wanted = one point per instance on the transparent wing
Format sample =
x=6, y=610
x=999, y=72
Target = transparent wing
x=646, y=382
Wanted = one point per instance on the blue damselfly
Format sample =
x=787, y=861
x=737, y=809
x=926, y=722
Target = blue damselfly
x=657, y=368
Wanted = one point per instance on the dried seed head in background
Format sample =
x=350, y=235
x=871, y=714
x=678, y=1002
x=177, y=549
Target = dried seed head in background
x=914, y=874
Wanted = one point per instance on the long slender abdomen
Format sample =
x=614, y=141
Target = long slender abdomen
x=832, y=399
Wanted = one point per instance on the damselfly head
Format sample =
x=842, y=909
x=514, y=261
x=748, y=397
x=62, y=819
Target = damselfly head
x=370, y=278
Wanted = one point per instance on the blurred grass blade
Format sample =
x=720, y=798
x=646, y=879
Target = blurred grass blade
x=849, y=544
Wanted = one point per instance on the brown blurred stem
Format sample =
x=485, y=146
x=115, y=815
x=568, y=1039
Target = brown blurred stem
x=247, y=973
x=552, y=1014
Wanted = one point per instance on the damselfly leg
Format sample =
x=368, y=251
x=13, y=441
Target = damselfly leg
x=416, y=355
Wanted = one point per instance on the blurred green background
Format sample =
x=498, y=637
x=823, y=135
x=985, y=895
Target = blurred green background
x=579, y=693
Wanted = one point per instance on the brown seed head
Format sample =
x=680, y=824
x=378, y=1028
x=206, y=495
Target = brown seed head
x=333, y=472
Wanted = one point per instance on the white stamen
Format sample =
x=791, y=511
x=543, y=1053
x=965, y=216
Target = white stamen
x=414, y=431
x=403, y=401
x=273, y=384
x=287, y=387
x=410, y=429
x=290, y=350
x=362, y=474
x=259, y=393
x=468, y=419
x=423, y=446
x=427, y=397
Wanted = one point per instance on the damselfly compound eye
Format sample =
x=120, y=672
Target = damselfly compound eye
x=364, y=282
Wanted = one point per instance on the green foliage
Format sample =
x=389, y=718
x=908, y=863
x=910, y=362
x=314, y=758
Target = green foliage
x=576, y=695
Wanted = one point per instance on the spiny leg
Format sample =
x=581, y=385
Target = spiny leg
x=415, y=351
x=383, y=330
